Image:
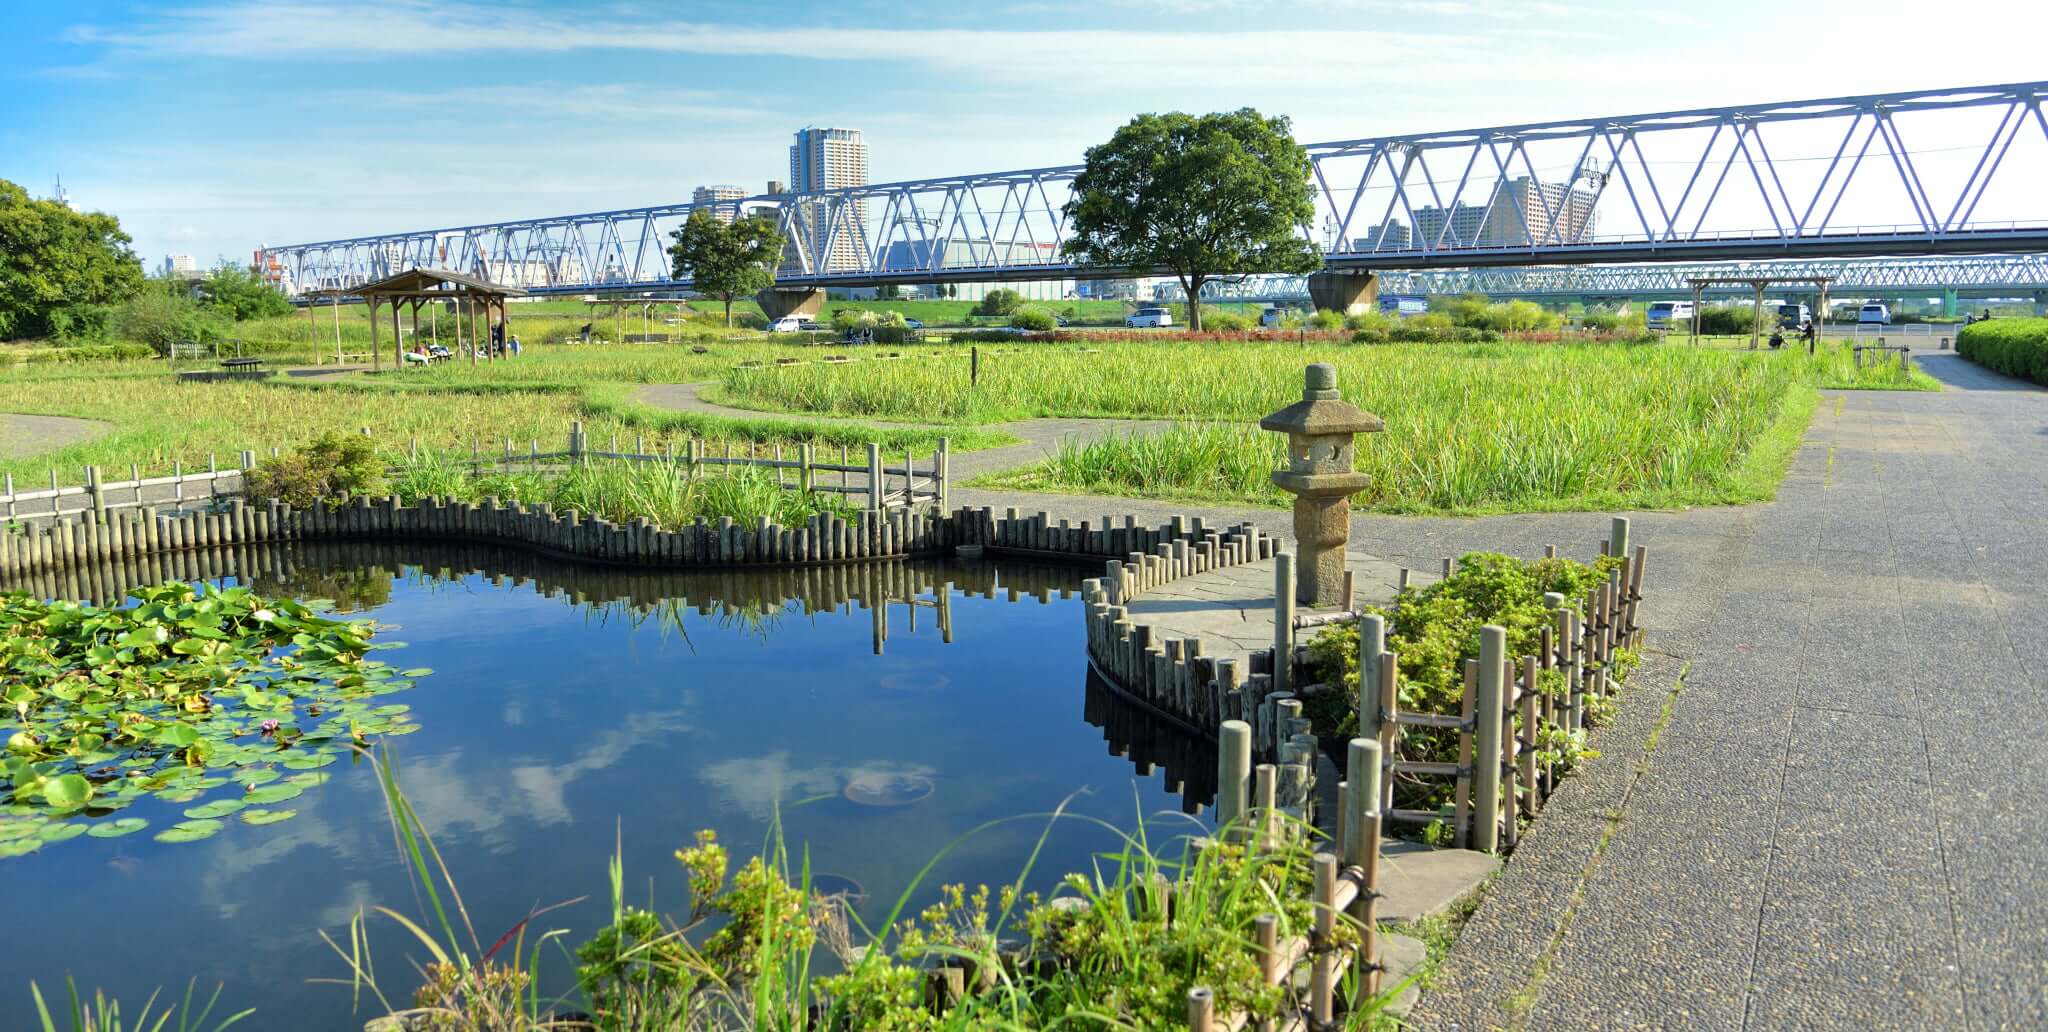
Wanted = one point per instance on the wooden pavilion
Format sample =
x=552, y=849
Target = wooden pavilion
x=481, y=301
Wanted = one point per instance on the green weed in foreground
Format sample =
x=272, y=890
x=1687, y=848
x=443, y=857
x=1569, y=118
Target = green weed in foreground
x=101, y=1014
x=758, y=947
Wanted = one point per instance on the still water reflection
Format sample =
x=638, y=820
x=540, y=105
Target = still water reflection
x=574, y=711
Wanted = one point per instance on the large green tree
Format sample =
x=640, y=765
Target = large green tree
x=237, y=292
x=726, y=260
x=1197, y=196
x=55, y=261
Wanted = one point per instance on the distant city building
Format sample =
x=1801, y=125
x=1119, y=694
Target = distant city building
x=724, y=200
x=180, y=266
x=777, y=186
x=1394, y=236
x=1551, y=212
x=978, y=252
x=830, y=159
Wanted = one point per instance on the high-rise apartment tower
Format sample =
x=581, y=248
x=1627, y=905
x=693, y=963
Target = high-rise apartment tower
x=830, y=159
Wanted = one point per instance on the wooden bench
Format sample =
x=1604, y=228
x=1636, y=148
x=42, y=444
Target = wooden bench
x=240, y=363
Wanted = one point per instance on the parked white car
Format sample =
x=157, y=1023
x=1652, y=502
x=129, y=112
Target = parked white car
x=1148, y=319
x=788, y=324
x=1874, y=313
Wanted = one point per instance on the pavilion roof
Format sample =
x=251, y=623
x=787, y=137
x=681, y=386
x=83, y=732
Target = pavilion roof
x=435, y=283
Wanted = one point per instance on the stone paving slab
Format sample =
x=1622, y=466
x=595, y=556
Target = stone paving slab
x=1231, y=609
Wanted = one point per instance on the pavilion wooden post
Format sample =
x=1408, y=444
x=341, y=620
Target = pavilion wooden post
x=336, y=301
x=469, y=303
x=397, y=336
x=371, y=299
x=313, y=333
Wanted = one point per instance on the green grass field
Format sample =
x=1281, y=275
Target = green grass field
x=1470, y=428
x=158, y=419
x=1479, y=428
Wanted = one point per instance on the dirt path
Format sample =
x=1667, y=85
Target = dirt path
x=23, y=436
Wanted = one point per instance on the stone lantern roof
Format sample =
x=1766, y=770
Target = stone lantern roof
x=1322, y=409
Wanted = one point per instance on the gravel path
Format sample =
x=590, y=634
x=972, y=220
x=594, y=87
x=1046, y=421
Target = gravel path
x=1041, y=437
x=22, y=436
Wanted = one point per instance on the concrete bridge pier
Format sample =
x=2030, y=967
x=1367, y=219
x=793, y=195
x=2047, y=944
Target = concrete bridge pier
x=1348, y=293
x=777, y=302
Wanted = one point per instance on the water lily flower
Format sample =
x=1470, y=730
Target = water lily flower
x=269, y=728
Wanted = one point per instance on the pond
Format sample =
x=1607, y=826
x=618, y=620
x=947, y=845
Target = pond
x=883, y=712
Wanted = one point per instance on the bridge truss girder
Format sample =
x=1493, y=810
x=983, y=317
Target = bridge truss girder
x=1926, y=172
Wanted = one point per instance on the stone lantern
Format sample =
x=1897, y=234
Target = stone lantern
x=1320, y=429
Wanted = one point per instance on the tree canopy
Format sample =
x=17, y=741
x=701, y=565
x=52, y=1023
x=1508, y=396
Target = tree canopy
x=56, y=264
x=237, y=292
x=1219, y=193
x=726, y=260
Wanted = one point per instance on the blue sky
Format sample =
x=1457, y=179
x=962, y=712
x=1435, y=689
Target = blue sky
x=211, y=129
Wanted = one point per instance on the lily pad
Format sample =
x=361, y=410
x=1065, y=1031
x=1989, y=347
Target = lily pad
x=67, y=790
x=189, y=831
x=258, y=776
x=20, y=847
x=308, y=761
x=309, y=779
x=60, y=832
x=117, y=828
x=262, y=817
x=277, y=793
x=11, y=830
x=217, y=808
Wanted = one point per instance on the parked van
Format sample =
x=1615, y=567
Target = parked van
x=1792, y=317
x=1148, y=318
x=1663, y=315
x=1874, y=313
x=788, y=324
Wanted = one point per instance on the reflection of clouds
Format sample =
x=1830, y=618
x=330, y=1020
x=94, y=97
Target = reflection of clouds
x=756, y=785
x=917, y=681
x=542, y=786
x=515, y=713
x=355, y=898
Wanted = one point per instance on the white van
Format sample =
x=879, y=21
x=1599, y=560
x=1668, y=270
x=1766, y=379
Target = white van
x=788, y=324
x=1792, y=317
x=1274, y=315
x=1148, y=318
x=1663, y=315
x=1873, y=313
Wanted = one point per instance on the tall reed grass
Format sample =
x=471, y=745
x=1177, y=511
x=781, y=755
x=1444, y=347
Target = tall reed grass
x=669, y=494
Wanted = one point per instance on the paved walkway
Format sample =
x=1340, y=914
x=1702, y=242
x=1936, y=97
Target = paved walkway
x=1041, y=437
x=22, y=436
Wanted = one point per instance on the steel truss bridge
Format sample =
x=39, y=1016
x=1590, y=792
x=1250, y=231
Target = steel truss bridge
x=1921, y=173
x=1976, y=275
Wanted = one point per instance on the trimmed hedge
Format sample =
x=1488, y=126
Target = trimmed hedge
x=2015, y=347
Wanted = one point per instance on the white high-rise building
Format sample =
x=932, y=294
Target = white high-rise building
x=830, y=159
x=724, y=200
x=179, y=265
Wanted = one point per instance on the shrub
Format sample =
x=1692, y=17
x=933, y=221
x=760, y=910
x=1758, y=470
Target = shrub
x=2015, y=347
x=1409, y=333
x=1000, y=301
x=1370, y=319
x=1325, y=319
x=332, y=466
x=1227, y=322
x=1033, y=319
x=160, y=319
x=1731, y=320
